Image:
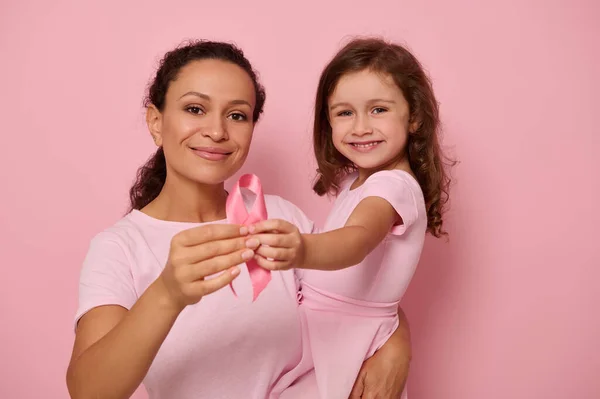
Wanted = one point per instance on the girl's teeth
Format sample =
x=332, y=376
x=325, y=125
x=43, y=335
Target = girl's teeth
x=365, y=145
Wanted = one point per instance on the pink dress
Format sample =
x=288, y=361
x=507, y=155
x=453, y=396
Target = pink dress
x=222, y=347
x=351, y=313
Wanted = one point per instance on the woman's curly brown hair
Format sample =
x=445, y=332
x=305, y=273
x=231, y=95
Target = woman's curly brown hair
x=425, y=155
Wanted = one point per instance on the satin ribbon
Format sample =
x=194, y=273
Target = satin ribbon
x=238, y=214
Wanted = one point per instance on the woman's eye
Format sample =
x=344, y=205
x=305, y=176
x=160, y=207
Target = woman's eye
x=345, y=113
x=237, y=116
x=194, y=110
x=379, y=110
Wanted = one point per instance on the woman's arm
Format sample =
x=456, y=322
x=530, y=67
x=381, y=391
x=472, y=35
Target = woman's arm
x=384, y=374
x=114, y=348
x=281, y=241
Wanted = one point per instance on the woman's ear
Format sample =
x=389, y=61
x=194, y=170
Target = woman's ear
x=154, y=122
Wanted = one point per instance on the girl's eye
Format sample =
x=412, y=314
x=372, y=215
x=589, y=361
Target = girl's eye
x=194, y=110
x=345, y=113
x=379, y=110
x=238, y=116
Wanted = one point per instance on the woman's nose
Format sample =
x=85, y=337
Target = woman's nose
x=216, y=129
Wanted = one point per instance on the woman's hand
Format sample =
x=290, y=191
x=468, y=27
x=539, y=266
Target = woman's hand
x=199, y=253
x=384, y=374
x=280, y=244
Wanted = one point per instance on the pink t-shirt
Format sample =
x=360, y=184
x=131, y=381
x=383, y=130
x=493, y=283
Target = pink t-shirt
x=222, y=347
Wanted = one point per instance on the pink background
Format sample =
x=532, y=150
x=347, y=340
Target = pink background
x=507, y=309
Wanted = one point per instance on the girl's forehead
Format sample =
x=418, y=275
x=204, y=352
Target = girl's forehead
x=365, y=84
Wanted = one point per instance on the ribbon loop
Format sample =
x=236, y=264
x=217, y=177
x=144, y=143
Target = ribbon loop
x=238, y=214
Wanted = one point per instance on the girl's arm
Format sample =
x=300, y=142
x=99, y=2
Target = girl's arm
x=366, y=227
x=283, y=247
x=388, y=203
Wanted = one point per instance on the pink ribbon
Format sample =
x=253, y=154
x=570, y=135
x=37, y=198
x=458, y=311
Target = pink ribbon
x=238, y=214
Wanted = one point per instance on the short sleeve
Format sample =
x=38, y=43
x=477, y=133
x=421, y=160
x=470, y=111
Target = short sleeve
x=397, y=188
x=106, y=277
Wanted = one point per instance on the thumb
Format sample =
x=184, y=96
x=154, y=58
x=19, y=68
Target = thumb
x=359, y=386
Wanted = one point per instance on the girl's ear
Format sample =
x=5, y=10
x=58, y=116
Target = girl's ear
x=414, y=126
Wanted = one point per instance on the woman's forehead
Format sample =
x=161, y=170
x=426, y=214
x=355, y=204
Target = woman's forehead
x=215, y=79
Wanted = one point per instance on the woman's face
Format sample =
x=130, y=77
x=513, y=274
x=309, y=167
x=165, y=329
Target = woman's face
x=206, y=125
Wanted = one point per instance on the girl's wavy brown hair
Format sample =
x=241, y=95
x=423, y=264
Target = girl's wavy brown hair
x=425, y=155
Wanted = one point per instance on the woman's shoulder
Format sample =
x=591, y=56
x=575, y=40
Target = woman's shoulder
x=123, y=233
x=280, y=208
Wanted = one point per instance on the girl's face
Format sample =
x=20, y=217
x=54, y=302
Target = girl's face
x=369, y=119
x=206, y=125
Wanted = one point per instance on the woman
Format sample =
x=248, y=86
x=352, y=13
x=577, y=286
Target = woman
x=151, y=308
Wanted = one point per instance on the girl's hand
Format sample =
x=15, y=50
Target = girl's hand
x=198, y=253
x=280, y=244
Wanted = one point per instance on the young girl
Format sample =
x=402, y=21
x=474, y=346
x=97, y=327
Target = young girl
x=376, y=143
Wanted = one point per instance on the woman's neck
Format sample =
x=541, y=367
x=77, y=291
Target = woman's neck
x=182, y=200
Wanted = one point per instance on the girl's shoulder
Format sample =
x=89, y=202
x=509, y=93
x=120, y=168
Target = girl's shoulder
x=394, y=177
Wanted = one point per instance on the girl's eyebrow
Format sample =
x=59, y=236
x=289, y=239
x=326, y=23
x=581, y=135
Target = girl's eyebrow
x=375, y=100
x=336, y=105
x=382, y=100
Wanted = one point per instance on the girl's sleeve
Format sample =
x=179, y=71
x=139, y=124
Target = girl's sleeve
x=397, y=188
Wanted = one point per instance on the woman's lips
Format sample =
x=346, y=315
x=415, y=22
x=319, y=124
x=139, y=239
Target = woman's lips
x=211, y=153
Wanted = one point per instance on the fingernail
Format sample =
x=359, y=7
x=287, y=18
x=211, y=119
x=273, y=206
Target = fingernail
x=252, y=243
x=248, y=254
x=243, y=230
x=235, y=271
x=251, y=229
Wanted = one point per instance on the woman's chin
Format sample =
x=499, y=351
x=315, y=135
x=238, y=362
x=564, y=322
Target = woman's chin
x=212, y=179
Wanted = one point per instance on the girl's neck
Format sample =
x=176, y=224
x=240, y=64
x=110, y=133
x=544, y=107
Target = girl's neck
x=182, y=200
x=364, y=173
